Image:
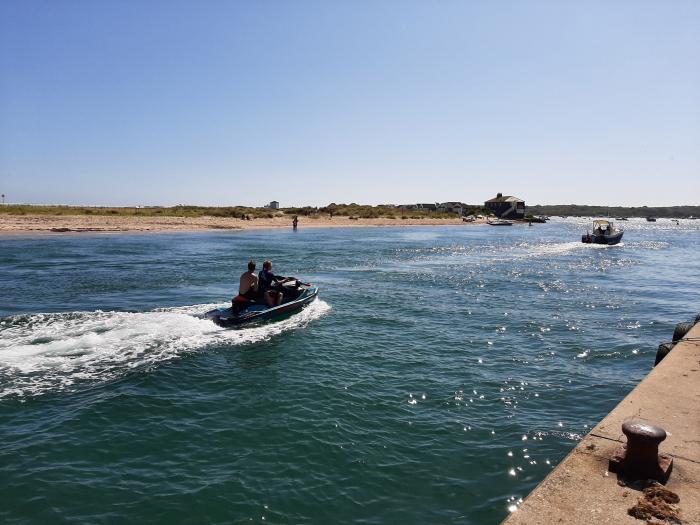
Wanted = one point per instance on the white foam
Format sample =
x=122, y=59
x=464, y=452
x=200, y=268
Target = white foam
x=45, y=352
x=562, y=248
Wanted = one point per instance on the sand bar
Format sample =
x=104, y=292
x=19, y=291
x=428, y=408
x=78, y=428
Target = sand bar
x=57, y=224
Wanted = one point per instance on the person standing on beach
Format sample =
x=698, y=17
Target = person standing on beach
x=295, y=221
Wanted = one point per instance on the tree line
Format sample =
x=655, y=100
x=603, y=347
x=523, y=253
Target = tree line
x=579, y=210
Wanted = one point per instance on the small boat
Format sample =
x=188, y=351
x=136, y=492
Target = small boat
x=539, y=219
x=499, y=222
x=296, y=297
x=621, y=219
x=604, y=232
x=651, y=219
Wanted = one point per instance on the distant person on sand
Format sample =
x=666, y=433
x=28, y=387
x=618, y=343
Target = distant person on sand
x=248, y=287
x=269, y=285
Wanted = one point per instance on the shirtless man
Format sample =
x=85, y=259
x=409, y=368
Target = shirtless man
x=248, y=287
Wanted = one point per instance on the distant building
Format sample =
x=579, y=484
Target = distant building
x=451, y=207
x=274, y=205
x=445, y=207
x=420, y=206
x=506, y=207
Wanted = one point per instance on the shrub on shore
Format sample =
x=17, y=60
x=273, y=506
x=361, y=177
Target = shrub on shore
x=346, y=210
x=241, y=212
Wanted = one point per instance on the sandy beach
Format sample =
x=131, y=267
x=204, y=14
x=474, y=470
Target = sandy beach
x=57, y=224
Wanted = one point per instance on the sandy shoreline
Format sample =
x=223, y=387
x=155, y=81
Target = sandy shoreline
x=58, y=224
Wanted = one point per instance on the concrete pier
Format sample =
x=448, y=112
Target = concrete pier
x=582, y=491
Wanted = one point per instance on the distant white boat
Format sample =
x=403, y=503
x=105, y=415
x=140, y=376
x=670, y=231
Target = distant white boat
x=499, y=222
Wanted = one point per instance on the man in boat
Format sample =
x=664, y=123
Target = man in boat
x=270, y=285
x=247, y=289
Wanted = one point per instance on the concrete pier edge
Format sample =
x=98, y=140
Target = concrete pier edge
x=580, y=490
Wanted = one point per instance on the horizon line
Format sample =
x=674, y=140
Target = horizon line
x=326, y=205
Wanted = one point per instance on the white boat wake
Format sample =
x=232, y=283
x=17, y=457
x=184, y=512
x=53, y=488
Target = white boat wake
x=561, y=248
x=56, y=351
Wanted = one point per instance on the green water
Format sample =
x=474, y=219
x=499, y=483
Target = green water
x=442, y=374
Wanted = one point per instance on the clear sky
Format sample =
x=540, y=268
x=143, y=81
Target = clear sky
x=130, y=102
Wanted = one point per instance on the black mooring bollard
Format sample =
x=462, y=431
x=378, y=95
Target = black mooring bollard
x=640, y=458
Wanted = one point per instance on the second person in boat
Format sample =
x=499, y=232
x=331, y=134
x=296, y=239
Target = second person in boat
x=270, y=285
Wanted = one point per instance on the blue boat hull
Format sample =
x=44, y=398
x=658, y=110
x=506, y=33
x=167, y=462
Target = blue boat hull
x=601, y=238
x=258, y=313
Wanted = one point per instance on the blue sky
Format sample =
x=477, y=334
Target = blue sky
x=223, y=102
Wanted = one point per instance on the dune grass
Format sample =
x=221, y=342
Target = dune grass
x=174, y=211
x=340, y=210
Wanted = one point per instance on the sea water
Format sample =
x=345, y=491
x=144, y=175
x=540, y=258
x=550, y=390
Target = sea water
x=442, y=373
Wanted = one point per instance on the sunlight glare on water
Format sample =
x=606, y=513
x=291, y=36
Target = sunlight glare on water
x=441, y=375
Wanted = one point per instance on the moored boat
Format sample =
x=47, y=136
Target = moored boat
x=295, y=299
x=499, y=222
x=651, y=219
x=539, y=219
x=604, y=232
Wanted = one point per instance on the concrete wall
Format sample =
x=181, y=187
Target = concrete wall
x=582, y=491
